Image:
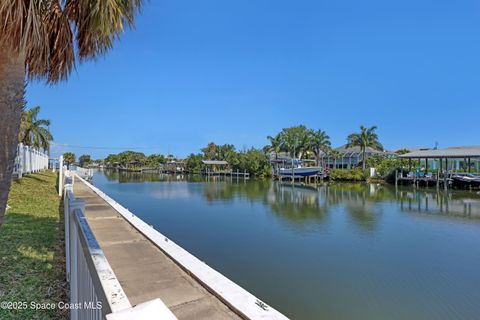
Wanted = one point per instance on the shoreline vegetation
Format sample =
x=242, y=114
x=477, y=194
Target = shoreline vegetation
x=297, y=142
x=32, y=257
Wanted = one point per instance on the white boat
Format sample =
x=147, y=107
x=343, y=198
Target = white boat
x=301, y=172
x=297, y=170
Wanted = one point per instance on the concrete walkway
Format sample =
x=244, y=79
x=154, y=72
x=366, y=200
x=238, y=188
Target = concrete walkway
x=142, y=269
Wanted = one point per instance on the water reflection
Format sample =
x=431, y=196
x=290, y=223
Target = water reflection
x=297, y=204
x=303, y=203
x=391, y=253
x=439, y=202
x=227, y=190
x=126, y=177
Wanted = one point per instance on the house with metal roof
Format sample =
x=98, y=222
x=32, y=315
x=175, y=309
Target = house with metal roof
x=350, y=157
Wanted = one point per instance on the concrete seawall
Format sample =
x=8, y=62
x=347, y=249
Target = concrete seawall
x=149, y=266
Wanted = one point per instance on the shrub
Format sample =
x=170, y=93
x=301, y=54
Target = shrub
x=253, y=161
x=347, y=175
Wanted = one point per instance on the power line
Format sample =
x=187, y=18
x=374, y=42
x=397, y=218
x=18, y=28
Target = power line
x=102, y=148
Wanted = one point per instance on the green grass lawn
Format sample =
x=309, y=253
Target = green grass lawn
x=32, y=261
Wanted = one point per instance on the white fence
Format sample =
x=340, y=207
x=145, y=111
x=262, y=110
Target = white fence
x=95, y=292
x=29, y=160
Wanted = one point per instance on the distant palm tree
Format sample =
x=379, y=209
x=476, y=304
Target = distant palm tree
x=32, y=130
x=42, y=39
x=276, y=145
x=318, y=143
x=402, y=151
x=334, y=154
x=366, y=138
x=210, y=151
x=295, y=140
x=69, y=158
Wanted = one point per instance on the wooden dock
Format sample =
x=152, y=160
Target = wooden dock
x=445, y=180
x=301, y=179
x=227, y=173
x=425, y=181
x=129, y=169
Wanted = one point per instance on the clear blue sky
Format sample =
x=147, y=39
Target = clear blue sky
x=236, y=71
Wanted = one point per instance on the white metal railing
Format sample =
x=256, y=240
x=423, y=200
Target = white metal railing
x=84, y=173
x=29, y=160
x=95, y=292
x=237, y=298
x=94, y=289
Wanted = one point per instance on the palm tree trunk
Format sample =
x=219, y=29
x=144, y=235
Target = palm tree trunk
x=12, y=89
x=364, y=161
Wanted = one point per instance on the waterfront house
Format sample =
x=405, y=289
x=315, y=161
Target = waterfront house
x=350, y=157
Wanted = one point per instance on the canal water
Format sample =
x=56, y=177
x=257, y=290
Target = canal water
x=335, y=251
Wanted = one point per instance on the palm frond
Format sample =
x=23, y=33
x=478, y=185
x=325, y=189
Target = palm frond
x=45, y=31
x=41, y=122
x=33, y=131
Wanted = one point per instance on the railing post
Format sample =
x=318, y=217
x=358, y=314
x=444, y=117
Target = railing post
x=66, y=216
x=74, y=255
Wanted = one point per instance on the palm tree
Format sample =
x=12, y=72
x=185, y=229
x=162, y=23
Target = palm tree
x=42, y=39
x=69, y=158
x=276, y=145
x=318, y=143
x=225, y=151
x=295, y=140
x=32, y=130
x=366, y=138
x=210, y=151
x=334, y=154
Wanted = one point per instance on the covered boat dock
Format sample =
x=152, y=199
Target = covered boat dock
x=457, y=166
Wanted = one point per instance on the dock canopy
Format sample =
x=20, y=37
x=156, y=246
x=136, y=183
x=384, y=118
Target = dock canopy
x=214, y=162
x=455, y=159
x=452, y=152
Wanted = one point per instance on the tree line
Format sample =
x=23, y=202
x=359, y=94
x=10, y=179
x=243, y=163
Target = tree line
x=296, y=141
x=301, y=142
x=252, y=160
